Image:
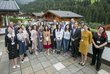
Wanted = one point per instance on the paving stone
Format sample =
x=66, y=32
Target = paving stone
x=37, y=67
x=46, y=64
x=80, y=72
x=71, y=60
x=42, y=59
x=41, y=72
x=88, y=70
x=25, y=64
x=103, y=72
x=56, y=73
x=50, y=70
x=34, y=61
x=4, y=68
x=66, y=63
x=49, y=56
x=65, y=71
x=31, y=57
x=60, y=58
x=16, y=72
x=105, y=67
x=73, y=68
x=27, y=70
x=53, y=61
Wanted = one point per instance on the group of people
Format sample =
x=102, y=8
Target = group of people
x=54, y=38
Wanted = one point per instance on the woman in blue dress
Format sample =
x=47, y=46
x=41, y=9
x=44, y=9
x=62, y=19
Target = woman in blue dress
x=22, y=43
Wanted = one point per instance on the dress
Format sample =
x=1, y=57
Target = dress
x=34, y=39
x=47, y=40
x=86, y=39
x=11, y=44
x=21, y=42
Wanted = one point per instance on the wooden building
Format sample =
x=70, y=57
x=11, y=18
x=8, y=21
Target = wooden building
x=59, y=15
x=7, y=8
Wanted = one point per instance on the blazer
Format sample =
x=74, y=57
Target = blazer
x=77, y=35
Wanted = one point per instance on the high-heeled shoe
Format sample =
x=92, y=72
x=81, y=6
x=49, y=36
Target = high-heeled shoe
x=83, y=64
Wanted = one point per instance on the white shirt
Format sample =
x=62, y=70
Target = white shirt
x=67, y=35
x=59, y=34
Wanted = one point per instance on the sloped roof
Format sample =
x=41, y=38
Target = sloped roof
x=38, y=14
x=9, y=6
x=64, y=13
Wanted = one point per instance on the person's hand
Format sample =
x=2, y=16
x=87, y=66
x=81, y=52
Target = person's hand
x=72, y=39
x=97, y=46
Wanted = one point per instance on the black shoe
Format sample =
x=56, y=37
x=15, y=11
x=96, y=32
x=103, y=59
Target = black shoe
x=97, y=69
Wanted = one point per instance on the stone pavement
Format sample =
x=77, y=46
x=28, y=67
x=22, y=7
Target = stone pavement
x=44, y=64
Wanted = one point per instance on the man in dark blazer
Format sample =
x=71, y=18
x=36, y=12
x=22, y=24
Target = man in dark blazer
x=75, y=38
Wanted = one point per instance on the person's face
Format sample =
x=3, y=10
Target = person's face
x=58, y=26
x=19, y=22
x=46, y=27
x=67, y=26
x=29, y=28
x=75, y=25
x=20, y=30
x=11, y=24
x=101, y=29
x=85, y=27
x=34, y=27
x=10, y=30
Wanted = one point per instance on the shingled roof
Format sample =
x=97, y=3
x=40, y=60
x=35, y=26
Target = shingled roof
x=8, y=6
x=64, y=14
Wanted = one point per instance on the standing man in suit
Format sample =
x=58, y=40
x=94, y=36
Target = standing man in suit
x=75, y=38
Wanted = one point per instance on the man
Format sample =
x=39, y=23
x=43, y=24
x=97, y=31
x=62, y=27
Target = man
x=75, y=38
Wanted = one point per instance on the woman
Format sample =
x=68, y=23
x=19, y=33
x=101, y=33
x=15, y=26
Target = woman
x=47, y=40
x=22, y=44
x=86, y=39
x=53, y=42
x=66, y=39
x=34, y=34
x=40, y=38
x=59, y=36
x=11, y=46
x=99, y=42
x=30, y=41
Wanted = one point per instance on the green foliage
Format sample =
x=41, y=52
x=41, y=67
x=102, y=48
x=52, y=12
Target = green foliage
x=92, y=10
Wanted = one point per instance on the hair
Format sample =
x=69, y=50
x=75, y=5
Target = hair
x=57, y=27
x=20, y=28
x=10, y=27
x=104, y=34
x=33, y=27
x=30, y=26
x=45, y=28
x=66, y=27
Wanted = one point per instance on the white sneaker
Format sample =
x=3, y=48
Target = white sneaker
x=22, y=61
x=14, y=67
x=26, y=59
x=36, y=53
x=17, y=66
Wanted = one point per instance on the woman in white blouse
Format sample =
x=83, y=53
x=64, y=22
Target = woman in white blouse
x=59, y=36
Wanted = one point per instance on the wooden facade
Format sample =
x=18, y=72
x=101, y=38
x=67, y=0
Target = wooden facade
x=49, y=16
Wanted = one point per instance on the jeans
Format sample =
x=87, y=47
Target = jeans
x=59, y=43
x=65, y=45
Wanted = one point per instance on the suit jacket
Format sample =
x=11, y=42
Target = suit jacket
x=77, y=35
